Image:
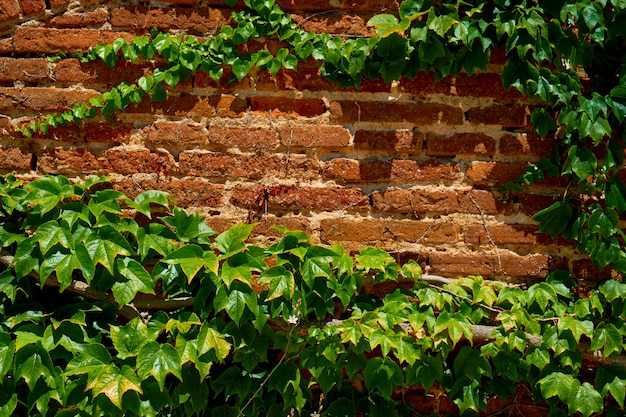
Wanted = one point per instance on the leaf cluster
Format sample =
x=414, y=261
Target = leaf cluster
x=133, y=307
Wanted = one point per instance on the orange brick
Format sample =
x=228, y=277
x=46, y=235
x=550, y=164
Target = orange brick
x=507, y=116
x=505, y=263
x=493, y=173
x=15, y=160
x=80, y=20
x=314, y=136
x=586, y=270
x=190, y=105
x=52, y=41
x=188, y=192
x=177, y=134
x=501, y=234
x=401, y=140
x=250, y=138
x=126, y=161
x=345, y=111
x=71, y=162
x=430, y=171
x=222, y=165
x=30, y=7
x=527, y=145
x=106, y=132
x=9, y=10
x=460, y=144
x=28, y=70
x=287, y=106
x=40, y=100
x=336, y=23
x=197, y=20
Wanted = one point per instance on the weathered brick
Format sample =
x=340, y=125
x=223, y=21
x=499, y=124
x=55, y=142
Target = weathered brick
x=222, y=164
x=40, y=100
x=31, y=70
x=52, y=41
x=502, y=234
x=55, y=4
x=491, y=173
x=189, y=105
x=176, y=134
x=314, y=136
x=264, y=228
x=324, y=5
x=429, y=171
x=420, y=201
x=530, y=204
x=80, y=20
x=374, y=230
x=350, y=170
x=460, y=144
x=9, y=10
x=395, y=170
x=133, y=160
x=417, y=113
x=15, y=160
x=587, y=271
x=401, y=140
x=526, y=144
x=287, y=106
x=197, y=20
x=504, y=115
x=531, y=266
x=108, y=133
x=72, y=71
x=476, y=85
x=70, y=161
x=335, y=23
x=7, y=46
x=68, y=134
x=249, y=138
x=286, y=198
x=30, y=7
x=188, y=192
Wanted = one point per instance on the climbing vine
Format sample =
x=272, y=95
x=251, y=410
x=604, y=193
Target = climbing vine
x=159, y=315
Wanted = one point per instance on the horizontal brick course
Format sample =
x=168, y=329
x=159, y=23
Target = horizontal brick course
x=176, y=134
x=481, y=173
x=288, y=106
x=53, y=41
x=31, y=70
x=30, y=7
x=395, y=171
x=15, y=160
x=9, y=10
x=401, y=140
x=314, y=136
x=188, y=192
x=244, y=138
x=417, y=113
x=460, y=144
x=40, y=100
x=198, y=21
x=507, y=116
x=534, y=266
x=80, y=20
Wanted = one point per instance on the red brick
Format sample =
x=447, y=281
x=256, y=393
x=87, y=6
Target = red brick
x=506, y=116
x=502, y=234
x=130, y=160
x=80, y=20
x=55, y=4
x=420, y=201
x=250, y=166
x=176, y=134
x=532, y=266
x=530, y=204
x=378, y=6
x=460, y=144
x=30, y=7
x=52, y=41
x=189, y=105
x=72, y=71
x=376, y=230
x=335, y=23
x=423, y=83
x=71, y=162
x=197, y=20
x=70, y=134
x=314, y=136
x=401, y=140
x=7, y=46
x=40, y=100
x=284, y=106
x=31, y=70
x=493, y=173
x=481, y=85
x=529, y=145
x=15, y=160
x=587, y=271
x=188, y=192
x=430, y=171
x=249, y=138
x=9, y=10
x=417, y=113
x=107, y=132
x=286, y=198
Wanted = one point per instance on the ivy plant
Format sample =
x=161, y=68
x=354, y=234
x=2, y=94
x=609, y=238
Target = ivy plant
x=134, y=307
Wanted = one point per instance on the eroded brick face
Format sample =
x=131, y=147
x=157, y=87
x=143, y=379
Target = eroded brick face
x=415, y=167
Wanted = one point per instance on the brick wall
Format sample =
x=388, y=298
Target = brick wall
x=413, y=167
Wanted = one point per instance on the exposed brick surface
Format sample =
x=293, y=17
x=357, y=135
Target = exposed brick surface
x=372, y=230
x=52, y=41
x=491, y=173
x=40, y=100
x=71, y=71
x=317, y=5
x=9, y=10
x=416, y=113
x=222, y=165
x=397, y=171
x=287, y=106
x=314, y=136
x=73, y=161
x=15, y=160
x=176, y=134
x=59, y=3
x=197, y=21
x=302, y=198
x=535, y=266
x=336, y=24
x=401, y=140
x=31, y=70
x=586, y=270
x=104, y=132
x=30, y=7
x=526, y=144
x=190, y=105
x=519, y=234
x=460, y=144
x=188, y=192
x=249, y=138
x=78, y=20
x=132, y=161
x=507, y=116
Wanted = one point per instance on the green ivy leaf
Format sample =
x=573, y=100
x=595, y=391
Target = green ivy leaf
x=554, y=219
x=105, y=245
x=556, y=384
x=608, y=338
x=159, y=360
x=576, y=326
x=584, y=398
x=130, y=338
x=232, y=240
x=113, y=382
x=136, y=279
x=210, y=339
x=190, y=258
x=281, y=282
x=235, y=300
x=542, y=121
x=382, y=375
x=7, y=349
